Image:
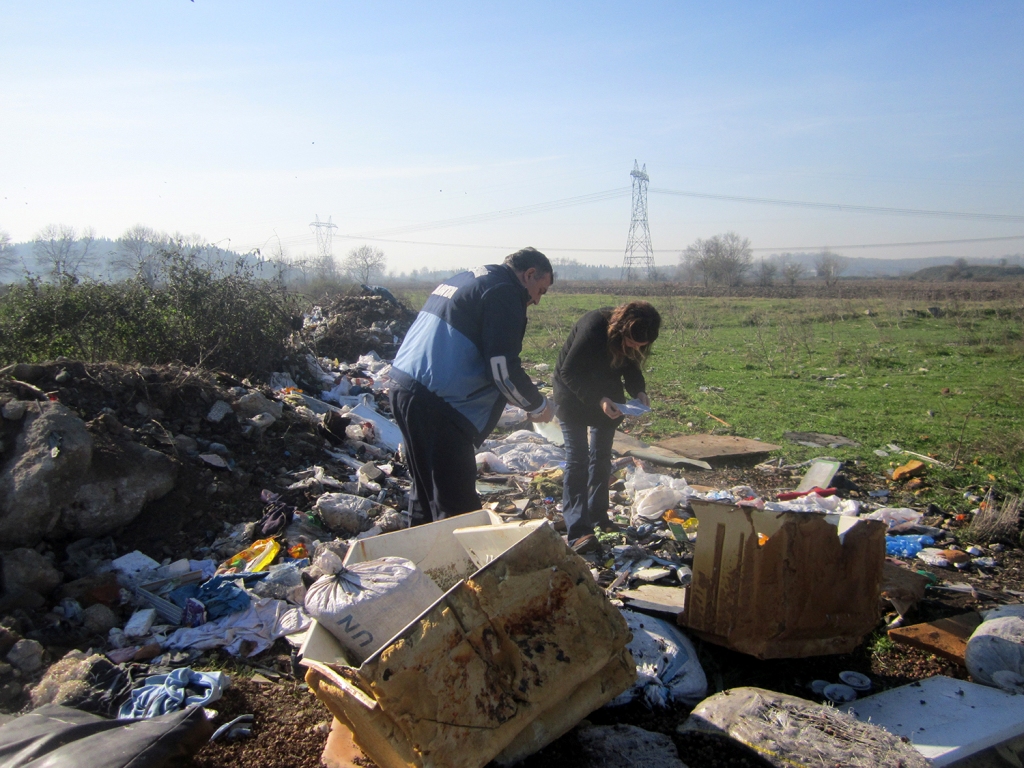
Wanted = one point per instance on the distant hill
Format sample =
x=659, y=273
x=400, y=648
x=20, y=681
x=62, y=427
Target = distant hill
x=963, y=271
x=873, y=267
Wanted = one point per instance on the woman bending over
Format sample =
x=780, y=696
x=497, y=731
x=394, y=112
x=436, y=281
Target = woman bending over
x=605, y=348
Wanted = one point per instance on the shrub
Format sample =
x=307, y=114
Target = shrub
x=196, y=314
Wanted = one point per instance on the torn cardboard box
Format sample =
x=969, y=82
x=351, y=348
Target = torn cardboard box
x=784, y=584
x=505, y=662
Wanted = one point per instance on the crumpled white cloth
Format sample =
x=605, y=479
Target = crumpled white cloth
x=812, y=502
x=522, y=451
x=262, y=623
x=897, y=518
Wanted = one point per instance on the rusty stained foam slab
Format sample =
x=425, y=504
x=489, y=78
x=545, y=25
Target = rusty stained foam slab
x=943, y=637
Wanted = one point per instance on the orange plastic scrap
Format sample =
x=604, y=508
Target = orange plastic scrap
x=912, y=468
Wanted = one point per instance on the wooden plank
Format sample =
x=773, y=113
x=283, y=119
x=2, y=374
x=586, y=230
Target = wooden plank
x=943, y=637
x=627, y=445
x=718, y=449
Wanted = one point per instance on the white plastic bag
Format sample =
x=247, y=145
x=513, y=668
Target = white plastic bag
x=653, y=493
x=666, y=664
x=997, y=646
x=651, y=503
x=366, y=604
x=488, y=462
x=344, y=513
x=639, y=480
x=511, y=417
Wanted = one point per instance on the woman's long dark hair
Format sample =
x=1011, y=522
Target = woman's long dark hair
x=637, y=321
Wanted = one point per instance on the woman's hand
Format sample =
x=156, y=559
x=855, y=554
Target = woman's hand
x=609, y=408
x=643, y=398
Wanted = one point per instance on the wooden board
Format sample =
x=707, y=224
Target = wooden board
x=718, y=450
x=627, y=445
x=943, y=637
x=665, y=602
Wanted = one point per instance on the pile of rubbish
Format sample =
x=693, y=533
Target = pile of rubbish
x=370, y=319
x=278, y=514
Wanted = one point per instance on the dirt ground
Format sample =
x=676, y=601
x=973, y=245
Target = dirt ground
x=290, y=728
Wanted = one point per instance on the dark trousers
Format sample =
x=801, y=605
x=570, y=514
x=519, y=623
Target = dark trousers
x=587, y=470
x=440, y=456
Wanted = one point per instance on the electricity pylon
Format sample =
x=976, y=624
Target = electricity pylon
x=639, y=259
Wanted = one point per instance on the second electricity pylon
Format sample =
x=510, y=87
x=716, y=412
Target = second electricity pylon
x=324, y=239
x=639, y=259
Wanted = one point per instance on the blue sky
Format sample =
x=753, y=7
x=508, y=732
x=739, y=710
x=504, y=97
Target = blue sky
x=243, y=121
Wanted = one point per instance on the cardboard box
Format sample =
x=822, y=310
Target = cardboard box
x=784, y=584
x=514, y=654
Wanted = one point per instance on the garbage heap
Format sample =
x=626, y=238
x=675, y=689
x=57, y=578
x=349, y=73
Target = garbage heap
x=277, y=512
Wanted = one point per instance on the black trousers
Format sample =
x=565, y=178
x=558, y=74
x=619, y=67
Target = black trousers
x=440, y=455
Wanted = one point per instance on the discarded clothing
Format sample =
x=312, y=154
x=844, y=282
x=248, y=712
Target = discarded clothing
x=182, y=688
x=521, y=452
x=259, y=626
x=220, y=596
x=276, y=517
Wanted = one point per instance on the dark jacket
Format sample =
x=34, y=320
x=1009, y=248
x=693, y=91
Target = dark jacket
x=585, y=375
x=464, y=348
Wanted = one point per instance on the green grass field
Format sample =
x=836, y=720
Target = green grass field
x=877, y=371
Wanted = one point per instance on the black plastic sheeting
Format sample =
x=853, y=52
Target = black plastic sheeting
x=54, y=736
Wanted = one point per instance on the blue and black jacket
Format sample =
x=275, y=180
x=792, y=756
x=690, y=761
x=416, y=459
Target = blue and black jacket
x=464, y=348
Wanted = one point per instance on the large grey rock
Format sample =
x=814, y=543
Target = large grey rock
x=57, y=483
x=99, y=619
x=27, y=656
x=255, y=403
x=27, y=579
x=120, y=483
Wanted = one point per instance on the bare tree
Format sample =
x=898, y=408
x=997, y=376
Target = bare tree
x=7, y=257
x=324, y=266
x=364, y=262
x=792, y=270
x=722, y=259
x=696, y=260
x=61, y=252
x=829, y=266
x=766, y=273
x=137, y=251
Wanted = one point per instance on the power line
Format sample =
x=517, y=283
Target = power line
x=845, y=207
x=550, y=205
x=677, y=250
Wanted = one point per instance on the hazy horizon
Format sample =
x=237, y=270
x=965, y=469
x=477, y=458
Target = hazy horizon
x=450, y=135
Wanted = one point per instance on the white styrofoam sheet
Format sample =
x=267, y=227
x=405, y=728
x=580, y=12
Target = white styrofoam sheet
x=388, y=433
x=945, y=719
x=819, y=475
x=483, y=543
